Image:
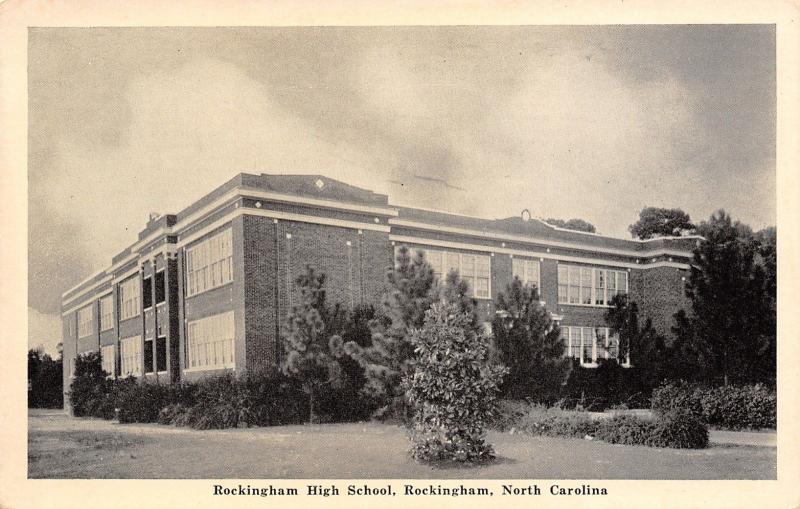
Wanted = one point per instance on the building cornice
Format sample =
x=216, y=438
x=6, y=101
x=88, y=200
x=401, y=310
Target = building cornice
x=499, y=236
x=534, y=254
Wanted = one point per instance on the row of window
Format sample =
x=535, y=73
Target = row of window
x=473, y=268
x=210, y=342
x=589, y=344
x=209, y=264
x=210, y=345
x=576, y=284
x=590, y=286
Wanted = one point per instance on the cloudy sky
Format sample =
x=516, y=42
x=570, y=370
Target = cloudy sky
x=587, y=122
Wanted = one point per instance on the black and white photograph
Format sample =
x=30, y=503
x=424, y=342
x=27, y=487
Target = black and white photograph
x=444, y=255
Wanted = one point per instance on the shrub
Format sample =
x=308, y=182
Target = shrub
x=730, y=407
x=453, y=389
x=625, y=429
x=739, y=407
x=676, y=395
x=89, y=388
x=554, y=422
x=142, y=402
x=679, y=429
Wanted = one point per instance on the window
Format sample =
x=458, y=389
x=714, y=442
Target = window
x=148, y=356
x=107, y=313
x=526, y=270
x=107, y=359
x=161, y=288
x=147, y=292
x=131, y=356
x=210, y=342
x=588, y=286
x=161, y=354
x=475, y=269
x=84, y=321
x=129, y=298
x=209, y=264
x=588, y=344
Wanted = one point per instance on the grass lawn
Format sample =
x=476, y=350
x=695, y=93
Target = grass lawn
x=64, y=447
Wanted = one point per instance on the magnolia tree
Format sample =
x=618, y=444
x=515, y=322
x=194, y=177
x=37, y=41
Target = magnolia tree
x=312, y=350
x=453, y=388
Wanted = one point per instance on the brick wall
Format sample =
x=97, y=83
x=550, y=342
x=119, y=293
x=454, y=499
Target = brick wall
x=276, y=253
x=659, y=294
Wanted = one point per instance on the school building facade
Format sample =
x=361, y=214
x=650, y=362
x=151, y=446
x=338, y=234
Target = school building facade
x=208, y=289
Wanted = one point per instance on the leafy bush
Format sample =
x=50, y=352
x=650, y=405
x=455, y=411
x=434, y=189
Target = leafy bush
x=453, y=389
x=676, y=395
x=730, y=407
x=679, y=429
x=89, y=390
x=625, y=429
x=554, y=422
x=142, y=402
x=676, y=429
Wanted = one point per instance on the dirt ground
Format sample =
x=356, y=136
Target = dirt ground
x=64, y=447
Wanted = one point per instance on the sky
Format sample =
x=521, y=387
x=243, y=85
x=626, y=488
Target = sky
x=592, y=122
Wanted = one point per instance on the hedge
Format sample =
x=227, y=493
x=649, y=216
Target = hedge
x=677, y=429
x=730, y=407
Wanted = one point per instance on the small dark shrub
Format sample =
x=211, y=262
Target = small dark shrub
x=730, y=407
x=675, y=395
x=556, y=423
x=679, y=429
x=221, y=402
x=625, y=429
x=509, y=414
x=174, y=413
x=89, y=390
x=142, y=402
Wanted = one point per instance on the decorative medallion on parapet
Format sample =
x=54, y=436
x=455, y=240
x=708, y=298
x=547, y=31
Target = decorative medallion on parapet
x=319, y=183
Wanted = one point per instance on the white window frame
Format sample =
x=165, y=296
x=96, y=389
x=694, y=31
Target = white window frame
x=131, y=356
x=85, y=321
x=106, y=313
x=108, y=360
x=573, y=290
x=209, y=263
x=471, y=267
x=210, y=343
x=527, y=272
x=579, y=336
x=130, y=295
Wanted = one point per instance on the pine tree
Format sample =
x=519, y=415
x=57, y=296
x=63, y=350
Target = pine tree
x=730, y=323
x=412, y=288
x=312, y=348
x=529, y=344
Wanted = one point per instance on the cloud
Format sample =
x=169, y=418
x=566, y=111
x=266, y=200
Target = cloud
x=44, y=330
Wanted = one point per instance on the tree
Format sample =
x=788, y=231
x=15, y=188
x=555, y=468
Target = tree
x=572, y=224
x=731, y=323
x=529, y=344
x=661, y=222
x=45, y=380
x=453, y=388
x=312, y=350
x=412, y=288
x=642, y=346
